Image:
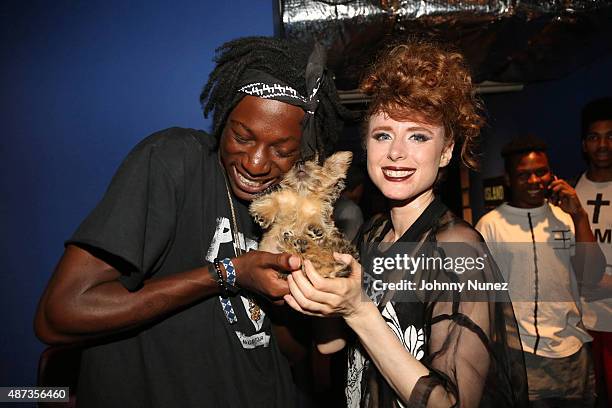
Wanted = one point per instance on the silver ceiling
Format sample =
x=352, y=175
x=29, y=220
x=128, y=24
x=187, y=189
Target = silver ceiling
x=504, y=41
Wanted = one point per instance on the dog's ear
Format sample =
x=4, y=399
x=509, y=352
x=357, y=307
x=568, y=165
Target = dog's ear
x=335, y=169
x=337, y=164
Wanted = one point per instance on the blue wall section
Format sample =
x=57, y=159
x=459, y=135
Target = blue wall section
x=550, y=110
x=80, y=84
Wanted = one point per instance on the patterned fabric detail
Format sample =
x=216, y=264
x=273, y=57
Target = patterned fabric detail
x=269, y=91
x=357, y=363
x=374, y=295
x=413, y=339
x=257, y=324
x=226, y=305
x=230, y=271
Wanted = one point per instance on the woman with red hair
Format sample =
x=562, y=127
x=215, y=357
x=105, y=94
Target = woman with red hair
x=409, y=344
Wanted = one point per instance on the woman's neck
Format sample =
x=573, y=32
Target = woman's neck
x=404, y=214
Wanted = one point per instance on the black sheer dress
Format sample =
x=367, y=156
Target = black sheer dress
x=467, y=339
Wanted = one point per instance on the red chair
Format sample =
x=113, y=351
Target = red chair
x=58, y=366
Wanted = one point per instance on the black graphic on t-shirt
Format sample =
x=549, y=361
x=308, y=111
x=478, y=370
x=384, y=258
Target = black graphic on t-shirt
x=564, y=237
x=598, y=202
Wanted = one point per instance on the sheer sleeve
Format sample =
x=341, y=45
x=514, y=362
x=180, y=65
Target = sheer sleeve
x=463, y=330
x=474, y=352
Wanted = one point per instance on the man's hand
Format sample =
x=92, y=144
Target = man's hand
x=588, y=261
x=564, y=196
x=260, y=272
x=84, y=299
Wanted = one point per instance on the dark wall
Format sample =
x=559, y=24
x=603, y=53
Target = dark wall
x=550, y=110
x=80, y=84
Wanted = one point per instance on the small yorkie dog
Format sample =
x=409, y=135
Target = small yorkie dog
x=296, y=215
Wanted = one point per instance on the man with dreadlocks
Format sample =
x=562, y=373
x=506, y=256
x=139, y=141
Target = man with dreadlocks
x=162, y=282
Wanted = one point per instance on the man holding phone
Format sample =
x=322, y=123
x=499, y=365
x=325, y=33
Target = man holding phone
x=533, y=239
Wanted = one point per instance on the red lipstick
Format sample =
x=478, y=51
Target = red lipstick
x=397, y=174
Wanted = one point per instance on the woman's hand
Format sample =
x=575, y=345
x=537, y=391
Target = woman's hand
x=315, y=295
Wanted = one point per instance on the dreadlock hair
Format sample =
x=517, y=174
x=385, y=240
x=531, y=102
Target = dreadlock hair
x=283, y=59
x=519, y=146
x=594, y=111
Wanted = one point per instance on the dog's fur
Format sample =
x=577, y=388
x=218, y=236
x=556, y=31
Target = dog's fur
x=297, y=214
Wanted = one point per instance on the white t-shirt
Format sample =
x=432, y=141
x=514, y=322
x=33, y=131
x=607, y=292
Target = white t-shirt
x=596, y=198
x=508, y=234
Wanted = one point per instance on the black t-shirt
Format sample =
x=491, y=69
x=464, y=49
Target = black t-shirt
x=166, y=211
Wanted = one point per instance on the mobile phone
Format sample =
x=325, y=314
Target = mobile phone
x=548, y=191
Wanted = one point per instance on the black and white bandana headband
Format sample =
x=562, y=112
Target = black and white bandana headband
x=263, y=85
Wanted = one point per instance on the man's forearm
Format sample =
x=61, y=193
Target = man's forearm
x=78, y=311
x=582, y=227
x=589, y=261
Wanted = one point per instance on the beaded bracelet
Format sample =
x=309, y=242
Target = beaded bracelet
x=228, y=286
x=220, y=280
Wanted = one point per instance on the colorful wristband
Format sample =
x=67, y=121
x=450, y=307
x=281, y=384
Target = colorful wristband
x=230, y=271
x=226, y=304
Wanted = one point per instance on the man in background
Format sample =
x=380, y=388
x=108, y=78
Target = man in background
x=533, y=240
x=594, y=188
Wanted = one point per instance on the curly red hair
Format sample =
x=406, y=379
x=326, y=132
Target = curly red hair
x=432, y=83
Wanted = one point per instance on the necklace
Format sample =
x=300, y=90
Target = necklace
x=254, y=309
